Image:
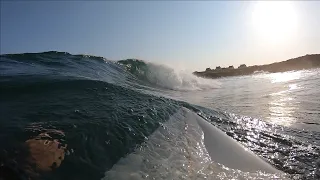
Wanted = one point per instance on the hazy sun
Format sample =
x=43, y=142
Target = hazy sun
x=274, y=20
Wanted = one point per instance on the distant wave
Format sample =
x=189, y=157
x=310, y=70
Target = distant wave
x=166, y=77
x=260, y=72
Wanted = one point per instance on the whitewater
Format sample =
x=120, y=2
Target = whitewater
x=131, y=119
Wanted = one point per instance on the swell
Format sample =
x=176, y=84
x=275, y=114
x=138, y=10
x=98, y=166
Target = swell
x=89, y=99
x=50, y=57
x=54, y=63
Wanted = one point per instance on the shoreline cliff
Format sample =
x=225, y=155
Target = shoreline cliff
x=299, y=63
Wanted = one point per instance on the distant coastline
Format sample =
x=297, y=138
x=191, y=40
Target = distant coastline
x=299, y=63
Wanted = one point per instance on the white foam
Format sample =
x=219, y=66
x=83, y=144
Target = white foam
x=188, y=147
x=184, y=80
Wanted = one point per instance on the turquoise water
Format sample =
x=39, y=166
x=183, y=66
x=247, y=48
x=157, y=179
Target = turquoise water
x=105, y=110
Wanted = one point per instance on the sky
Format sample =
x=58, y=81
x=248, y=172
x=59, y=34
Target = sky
x=185, y=34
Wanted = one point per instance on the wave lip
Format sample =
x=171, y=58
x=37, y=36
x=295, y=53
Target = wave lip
x=188, y=147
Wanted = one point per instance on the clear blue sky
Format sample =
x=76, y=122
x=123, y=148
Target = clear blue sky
x=183, y=33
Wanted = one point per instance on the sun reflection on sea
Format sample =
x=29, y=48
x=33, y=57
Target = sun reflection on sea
x=281, y=112
x=282, y=105
x=284, y=77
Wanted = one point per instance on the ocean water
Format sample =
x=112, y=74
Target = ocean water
x=121, y=119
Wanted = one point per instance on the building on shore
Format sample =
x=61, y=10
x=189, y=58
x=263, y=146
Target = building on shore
x=242, y=66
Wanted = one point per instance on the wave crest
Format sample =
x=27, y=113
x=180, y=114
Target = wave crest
x=166, y=77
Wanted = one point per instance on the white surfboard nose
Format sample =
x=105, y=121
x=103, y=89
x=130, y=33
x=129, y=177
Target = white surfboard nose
x=227, y=151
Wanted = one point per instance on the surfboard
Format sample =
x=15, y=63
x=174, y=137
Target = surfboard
x=189, y=147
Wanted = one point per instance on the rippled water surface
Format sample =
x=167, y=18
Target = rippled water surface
x=290, y=99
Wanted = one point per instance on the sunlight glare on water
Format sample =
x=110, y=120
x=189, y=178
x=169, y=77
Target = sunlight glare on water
x=284, y=77
x=281, y=112
x=280, y=106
